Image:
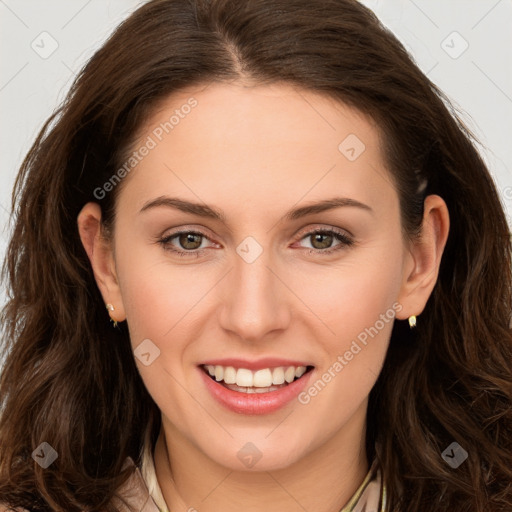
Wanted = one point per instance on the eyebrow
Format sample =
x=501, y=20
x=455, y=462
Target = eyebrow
x=206, y=211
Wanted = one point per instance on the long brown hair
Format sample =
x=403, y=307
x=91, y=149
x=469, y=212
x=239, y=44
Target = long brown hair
x=70, y=379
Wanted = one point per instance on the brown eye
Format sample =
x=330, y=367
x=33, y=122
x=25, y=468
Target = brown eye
x=321, y=240
x=190, y=241
x=185, y=243
x=326, y=241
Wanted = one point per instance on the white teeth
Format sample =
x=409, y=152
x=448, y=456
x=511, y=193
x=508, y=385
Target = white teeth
x=234, y=387
x=289, y=374
x=300, y=371
x=229, y=375
x=261, y=380
x=278, y=376
x=244, y=377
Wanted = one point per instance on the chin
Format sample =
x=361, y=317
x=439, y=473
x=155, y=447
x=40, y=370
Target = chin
x=258, y=455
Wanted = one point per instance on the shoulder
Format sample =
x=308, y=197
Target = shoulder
x=134, y=491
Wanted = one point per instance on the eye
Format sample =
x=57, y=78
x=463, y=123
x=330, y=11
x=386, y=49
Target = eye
x=187, y=243
x=190, y=243
x=322, y=240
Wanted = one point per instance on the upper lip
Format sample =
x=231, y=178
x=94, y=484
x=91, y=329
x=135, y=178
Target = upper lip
x=266, y=362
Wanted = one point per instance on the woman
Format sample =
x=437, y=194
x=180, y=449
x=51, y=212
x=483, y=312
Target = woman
x=282, y=220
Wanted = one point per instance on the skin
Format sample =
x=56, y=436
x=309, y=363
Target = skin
x=256, y=152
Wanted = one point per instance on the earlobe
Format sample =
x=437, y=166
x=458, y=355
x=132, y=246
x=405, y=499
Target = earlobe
x=100, y=254
x=424, y=258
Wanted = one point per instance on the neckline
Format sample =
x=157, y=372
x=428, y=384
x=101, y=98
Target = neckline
x=371, y=489
x=373, y=477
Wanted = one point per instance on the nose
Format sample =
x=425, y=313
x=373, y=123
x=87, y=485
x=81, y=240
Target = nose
x=255, y=302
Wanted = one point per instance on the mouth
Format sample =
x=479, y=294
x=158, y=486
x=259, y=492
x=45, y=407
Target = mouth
x=265, y=380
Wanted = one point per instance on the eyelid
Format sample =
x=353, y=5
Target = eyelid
x=324, y=227
x=200, y=230
x=344, y=237
x=301, y=233
x=168, y=235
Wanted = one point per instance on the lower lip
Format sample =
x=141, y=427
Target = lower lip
x=255, y=403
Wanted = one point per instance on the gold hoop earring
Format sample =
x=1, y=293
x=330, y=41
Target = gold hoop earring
x=412, y=322
x=111, y=308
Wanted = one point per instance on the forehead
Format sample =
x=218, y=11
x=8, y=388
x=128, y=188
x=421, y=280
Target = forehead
x=231, y=140
x=253, y=115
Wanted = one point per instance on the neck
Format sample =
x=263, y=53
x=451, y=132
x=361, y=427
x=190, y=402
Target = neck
x=324, y=480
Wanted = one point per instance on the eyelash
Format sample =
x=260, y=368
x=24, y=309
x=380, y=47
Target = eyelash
x=345, y=241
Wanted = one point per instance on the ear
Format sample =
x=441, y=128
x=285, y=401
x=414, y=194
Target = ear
x=101, y=255
x=423, y=258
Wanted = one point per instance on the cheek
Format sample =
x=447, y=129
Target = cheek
x=359, y=309
x=158, y=297
x=353, y=295
x=160, y=303
x=357, y=302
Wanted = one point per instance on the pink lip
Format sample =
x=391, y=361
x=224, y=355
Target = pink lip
x=267, y=362
x=254, y=403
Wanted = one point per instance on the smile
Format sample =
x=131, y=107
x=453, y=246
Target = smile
x=252, y=392
x=265, y=380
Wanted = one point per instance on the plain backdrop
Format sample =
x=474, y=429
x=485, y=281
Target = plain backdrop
x=464, y=46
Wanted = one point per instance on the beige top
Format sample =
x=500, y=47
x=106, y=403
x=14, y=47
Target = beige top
x=369, y=497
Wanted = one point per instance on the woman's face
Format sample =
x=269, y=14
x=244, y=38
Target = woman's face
x=217, y=263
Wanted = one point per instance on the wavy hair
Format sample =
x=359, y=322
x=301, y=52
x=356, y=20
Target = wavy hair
x=70, y=379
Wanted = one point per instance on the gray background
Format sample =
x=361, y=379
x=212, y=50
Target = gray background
x=464, y=46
